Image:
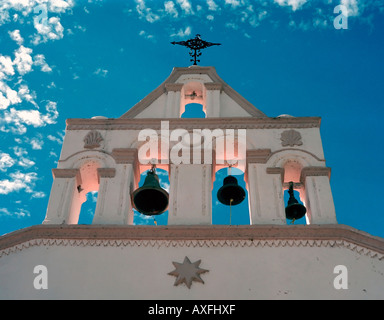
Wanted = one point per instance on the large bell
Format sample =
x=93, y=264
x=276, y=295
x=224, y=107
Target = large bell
x=294, y=210
x=150, y=199
x=230, y=193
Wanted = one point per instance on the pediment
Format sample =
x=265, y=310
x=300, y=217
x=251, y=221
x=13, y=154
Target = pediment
x=186, y=82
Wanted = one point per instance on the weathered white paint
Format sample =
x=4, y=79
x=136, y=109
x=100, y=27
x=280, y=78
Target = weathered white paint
x=235, y=272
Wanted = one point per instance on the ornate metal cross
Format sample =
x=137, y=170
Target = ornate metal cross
x=196, y=45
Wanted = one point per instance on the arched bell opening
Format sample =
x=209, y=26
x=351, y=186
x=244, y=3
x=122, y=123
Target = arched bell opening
x=293, y=189
x=228, y=214
x=194, y=110
x=88, y=208
x=192, y=102
x=146, y=219
x=84, y=200
x=296, y=195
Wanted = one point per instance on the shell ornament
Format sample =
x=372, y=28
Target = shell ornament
x=291, y=138
x=92, y=140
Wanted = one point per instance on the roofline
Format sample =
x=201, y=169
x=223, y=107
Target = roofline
x=331, y=233
x=175, y=74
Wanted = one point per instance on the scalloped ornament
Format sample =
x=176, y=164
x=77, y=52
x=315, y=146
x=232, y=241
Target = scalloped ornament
x=291, y=138
x=92, y=139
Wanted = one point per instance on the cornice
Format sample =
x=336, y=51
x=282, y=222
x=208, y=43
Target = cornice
x=315, y=171
x=190, y=124
x=194, y=236
x=67, y=173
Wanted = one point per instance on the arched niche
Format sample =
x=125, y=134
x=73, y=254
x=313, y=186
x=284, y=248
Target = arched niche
x=161, y=219
x=229, y=215
x=87, y=163
x=292, y=162
x=192, y=92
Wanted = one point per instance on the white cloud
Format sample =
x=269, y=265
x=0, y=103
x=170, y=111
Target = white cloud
x=39, y=60
x=185, y=6
x=23, y=60
x=171, y=9
x=8, y=96
x=6, y=67
x=145, y=12
x=25, y=162
x=19, y=152
x=17, y=119
x=15, y=35
x=19, y=213
x=233, y=3
x=232, y=25
x=29, y=117
x=50, y=29
x=60, y=6
x=146, y=35
x=39, y=194
x=6, y=161
x=19, y=181
x=101, y=72
x=25, y=94
x=52, y=113
x=295, y=4
x=212, y=6
x=182, y=33
x=352, y=7
x=36, y=144
x=55, y=139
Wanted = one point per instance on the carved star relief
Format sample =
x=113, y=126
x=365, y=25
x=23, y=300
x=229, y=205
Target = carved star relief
x=187, y=272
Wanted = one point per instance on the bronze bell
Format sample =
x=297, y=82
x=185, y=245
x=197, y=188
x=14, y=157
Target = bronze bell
x=294, y=210
x=230, y=193
x=150, y=199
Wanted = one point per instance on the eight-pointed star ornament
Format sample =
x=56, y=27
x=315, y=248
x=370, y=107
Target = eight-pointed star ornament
x=187, y=272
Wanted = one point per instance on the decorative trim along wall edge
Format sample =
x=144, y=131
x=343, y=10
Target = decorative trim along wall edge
x=206, y=123
x=195, y=236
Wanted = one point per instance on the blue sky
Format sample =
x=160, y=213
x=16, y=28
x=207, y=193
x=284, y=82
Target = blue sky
x=100, y=57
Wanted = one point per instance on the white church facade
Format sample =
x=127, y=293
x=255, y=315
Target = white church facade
x=190, y=258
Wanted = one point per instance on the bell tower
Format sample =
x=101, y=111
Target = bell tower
x=275, y=154
x=273, y=256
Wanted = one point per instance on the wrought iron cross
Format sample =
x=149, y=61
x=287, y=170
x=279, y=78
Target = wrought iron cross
x=196, y=45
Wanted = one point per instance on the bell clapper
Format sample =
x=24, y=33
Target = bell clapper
x=154, y=221
x=230, y=211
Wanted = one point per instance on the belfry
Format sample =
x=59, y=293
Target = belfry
x=275, y=152
x=191, y=258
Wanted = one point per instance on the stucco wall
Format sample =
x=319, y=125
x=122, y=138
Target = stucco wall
x=238, y=269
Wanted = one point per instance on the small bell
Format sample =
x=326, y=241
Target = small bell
x=294, y=210
x=150, y=199
x=230, y=193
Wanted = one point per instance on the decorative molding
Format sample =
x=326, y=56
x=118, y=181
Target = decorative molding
x=173, y=86
x=258, y=155
x=194, y=236
x=291, y=138
x=92, y=139
x=315, y=171
x=275, y=170
x=213, y=86
x=105, y=173
x=67, y=173
x=190, y=124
